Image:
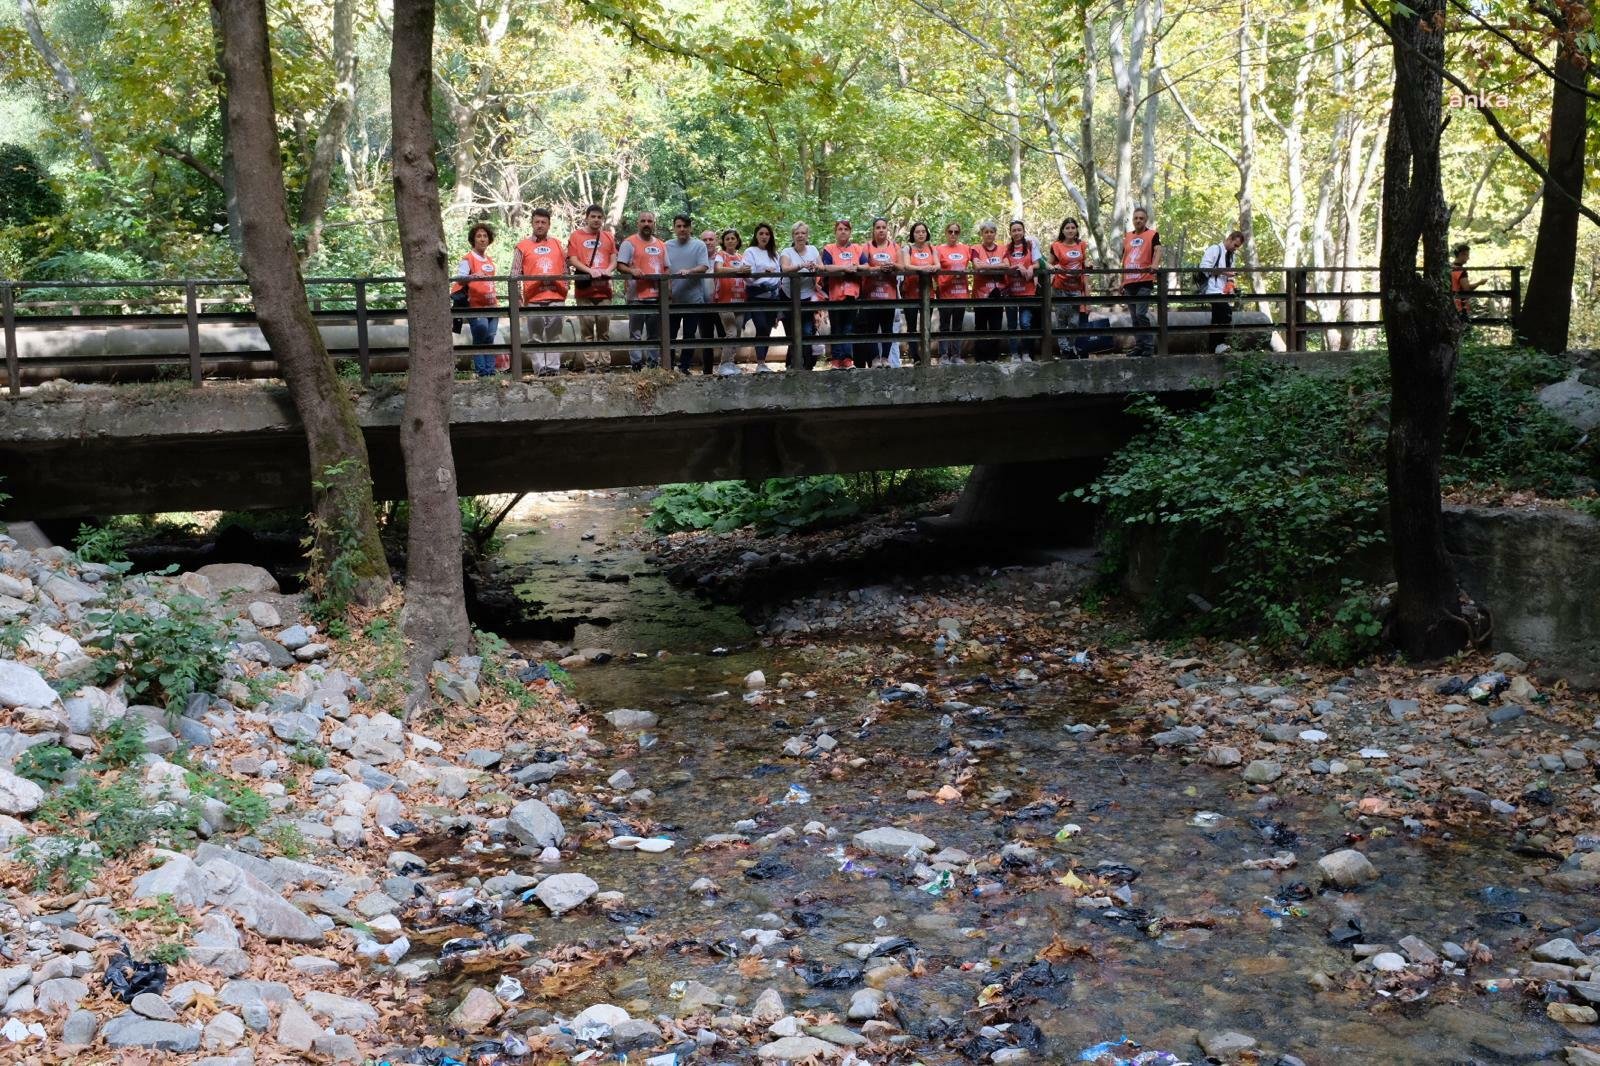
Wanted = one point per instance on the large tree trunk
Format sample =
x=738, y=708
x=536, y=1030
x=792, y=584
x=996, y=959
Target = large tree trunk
x=230, y=171
x=330, y=137
x=1547, y=311
x=1423, y=331
x=436, y=612
x=347, y=556
x=1014, y=144
x=68, y=82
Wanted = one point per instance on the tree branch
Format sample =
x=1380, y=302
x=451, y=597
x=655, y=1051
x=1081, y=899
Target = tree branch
x=199, y=166
x=1544, y=68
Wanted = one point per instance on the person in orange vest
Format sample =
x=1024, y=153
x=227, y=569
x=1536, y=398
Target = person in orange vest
x=989, y=282
x=1141, y=258
x=1216, y=266
x=1022, y=256
x=880, y=259
x=592, y=257
x=543, y=262
x=730, y=285
x=643, y=258
x=477, y=290
x=955, y=261
x=919, y=261
x=841, y=269
x=1459, y=282
x=1069, y=255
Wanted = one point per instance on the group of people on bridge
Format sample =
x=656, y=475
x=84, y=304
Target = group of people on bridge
x=716, y=286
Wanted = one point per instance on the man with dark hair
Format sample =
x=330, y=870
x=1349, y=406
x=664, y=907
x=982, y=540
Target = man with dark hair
x=592, y=256
x=688, y=261
x=1459, y=282
x=542, y=257
x=1141, y=258
x=1216, y=266
x=643, y=258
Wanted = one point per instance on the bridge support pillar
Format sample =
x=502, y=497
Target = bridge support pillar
x=1022, y=502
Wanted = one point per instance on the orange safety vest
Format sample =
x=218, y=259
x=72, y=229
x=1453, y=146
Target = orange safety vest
x=650, y=262
x=847, y=287
x=543, y=257
x=880, y=286
x=1458, y=275
x=911, y=283
x=598, y=250
x=1019, y=286
x=1070, y=257
x=984, y=284
x=957, y=257
x=479, y=293
x=1139, y=255
x=729, y=288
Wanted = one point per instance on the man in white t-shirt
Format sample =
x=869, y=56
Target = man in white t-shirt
x=1216, y=265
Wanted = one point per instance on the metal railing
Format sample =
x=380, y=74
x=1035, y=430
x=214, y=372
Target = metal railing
x=1297, y=311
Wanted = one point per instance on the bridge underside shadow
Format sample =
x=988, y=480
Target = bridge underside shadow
x=126, y=449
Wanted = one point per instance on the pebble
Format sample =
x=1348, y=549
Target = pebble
x=1346, y=868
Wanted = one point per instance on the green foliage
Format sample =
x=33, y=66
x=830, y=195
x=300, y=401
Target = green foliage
x=774, y=505
x=121, y=744
x=114, y=817
x=169, y=952
x=46, y=764
x=170, y=650
x=26, y=195
x=1499, y=432
x=161, y=913
x=101, y=544
x=312, y=755
x=1589, y=505
x=286, y=839
x=247, y=808
x=68, y=860
x=333, y=554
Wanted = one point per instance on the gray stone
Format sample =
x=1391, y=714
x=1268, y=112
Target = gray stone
x=477, y=1011
x=130, y=1030
x=153, y=1006
x=80, y=1027
x=296, y=1030
x=797, y=1049
x=1346, y=868
x=223, y=1032
x=1418, y=951
x=242, y=576
x=1223, y=756
x=23, y=686
x=238, y=993
x=1262, y=772
x=337, y=1048
x=1399, y=709
x=310, y=653
x=562, y=892
x=865, y=1004
x=61, y=995
x=622, y=779
x=342, y=1014
x=177, y=877
x=258, y=906
x=1221, y=1045
x=257, y=1016
x=537, y=773
x=483, y=758
x=18, y=795
x=264, y=616
x=629, y=720
x=1508, y=713
x=634, y=1034
x=893, y=843
x=1560, y=950
x=1181, y=737
x=297, y=726
x=1573, y=402
x=535, y=824
x=294, y=637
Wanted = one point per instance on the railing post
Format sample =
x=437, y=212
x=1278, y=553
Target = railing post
x=8, y=311
x=514, y=324
x=1047, y=318
x=664, y=309
x=1298, y=275
x=1161, y=312
x=191, y=312
x=363, y=348
x=1290, y=327
x=925, y=321
x=1516, y=301
x=796, y=328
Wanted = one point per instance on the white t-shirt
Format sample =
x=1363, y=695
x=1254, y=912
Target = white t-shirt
x=810, y=260
x=761, y=261
x=1215, y=258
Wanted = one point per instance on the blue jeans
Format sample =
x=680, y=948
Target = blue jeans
x=1020, y=318
x=483, y=332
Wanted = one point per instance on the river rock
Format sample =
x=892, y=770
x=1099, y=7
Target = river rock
x=634, y=1034
x=865, y=1004
x=79, y=1028
x=22, y=686
x=343, y=1014
x=225, y=577
x=258, y=906
x=1571, y=1014
x=535, y=824
x=130, y=1030
x=1223, y=756
x=892, y=843
x=477, y=1011
x=1560, y=950
x=1222, y=1045
x=153, y=1006
x=60, y=995
x=18, y=795
x=296, y=1029
x=629, y=720
x=562, y=892
x=797, y=1049
x=1262, y=772
x=223, y=1032
x=1346, y=868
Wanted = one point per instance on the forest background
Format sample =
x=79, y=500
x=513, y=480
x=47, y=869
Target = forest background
x=1270, y=116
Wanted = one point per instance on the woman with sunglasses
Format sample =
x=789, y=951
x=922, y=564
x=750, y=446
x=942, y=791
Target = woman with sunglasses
x=918, y=261
x=954, y=260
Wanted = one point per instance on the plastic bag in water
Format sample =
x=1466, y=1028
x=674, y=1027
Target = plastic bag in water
x=796, y=796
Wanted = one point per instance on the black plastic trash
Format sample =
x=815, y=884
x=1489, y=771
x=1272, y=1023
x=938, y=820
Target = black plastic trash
x=837, y=977
x=126, y=978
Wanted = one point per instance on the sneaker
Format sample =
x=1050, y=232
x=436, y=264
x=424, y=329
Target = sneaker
x=1221, y=349
x=727, y=370
x=763, y=368
x=894, y=361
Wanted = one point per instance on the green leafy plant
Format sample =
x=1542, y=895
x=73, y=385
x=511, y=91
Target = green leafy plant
x=286, y=839
x=170, y=651
x=101, y=544
x=121, y=743
x=331, y=578
x=46, y=764
x=774, y=505
x=169, y=952
x=311, y=755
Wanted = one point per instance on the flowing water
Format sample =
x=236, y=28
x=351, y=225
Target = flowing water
x=1234, y=949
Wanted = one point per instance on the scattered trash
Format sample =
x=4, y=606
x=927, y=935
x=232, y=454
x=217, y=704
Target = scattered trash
x=990, y=994
x=1067, y=832
x=1102, y=1049
x=836, y=977
x=939, y=885
x=654, y=845
x=508, y=989
x=1485, y=687
x=1079, y=658
x=125, y=978
x=676, y=989
x=1206, y=819
x=795, y=797
x=989, y=888
x=1072, y=881
x=460, y=945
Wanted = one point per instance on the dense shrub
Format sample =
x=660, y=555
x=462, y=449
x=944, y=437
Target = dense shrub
x=787, y=504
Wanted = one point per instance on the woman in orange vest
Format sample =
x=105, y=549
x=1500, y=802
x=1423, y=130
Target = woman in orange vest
x=880, y=260
x=542, y=260
x=841, y=269
x=1069, y=256
x=989, y=270
x=955, y=260
x=1022, y=256
x=478, y=291
x=918, y=261
x=729, y=286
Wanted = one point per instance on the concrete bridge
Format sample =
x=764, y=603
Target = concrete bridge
x=69, y=451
